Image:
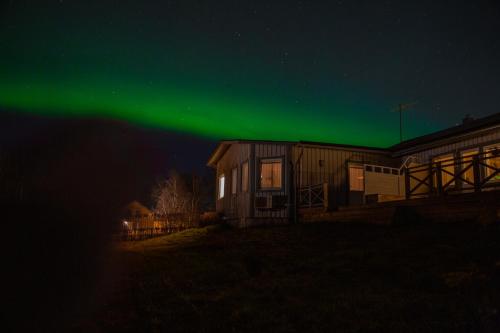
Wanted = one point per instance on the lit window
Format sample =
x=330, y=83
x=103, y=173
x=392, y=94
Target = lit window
x=447, y=169
x=493, y=162
x=234, y=179
x=244, y=177
x=356, y=178
x=222, y=180
x=270, y=174
x=467, y=162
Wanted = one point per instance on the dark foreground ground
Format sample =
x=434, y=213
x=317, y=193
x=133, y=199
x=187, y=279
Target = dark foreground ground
x=307, y=278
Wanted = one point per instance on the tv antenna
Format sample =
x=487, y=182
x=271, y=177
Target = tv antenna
x=400, y=109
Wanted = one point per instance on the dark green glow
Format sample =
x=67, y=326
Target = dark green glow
x=177, y=84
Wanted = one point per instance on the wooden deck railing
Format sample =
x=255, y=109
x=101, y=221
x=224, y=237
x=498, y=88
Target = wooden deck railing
x=313, y=196
x=435, y=178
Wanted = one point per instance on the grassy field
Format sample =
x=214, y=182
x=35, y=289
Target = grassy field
x=307, y=278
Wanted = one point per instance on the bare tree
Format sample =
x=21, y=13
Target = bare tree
x=171, y=195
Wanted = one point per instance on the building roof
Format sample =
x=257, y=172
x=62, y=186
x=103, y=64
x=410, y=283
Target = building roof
x=135, y=208
x=224, y=145
x=468, y=127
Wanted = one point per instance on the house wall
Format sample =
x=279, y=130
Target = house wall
x=240, y=209
x=334, y=167
x=456, y=145
x=272, y=150
x=233, y=206
x=451, y=146
x=381, y=183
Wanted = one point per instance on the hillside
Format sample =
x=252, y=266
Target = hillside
x=317, y=277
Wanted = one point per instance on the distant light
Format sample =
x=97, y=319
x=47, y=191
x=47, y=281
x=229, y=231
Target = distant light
x=125, y=223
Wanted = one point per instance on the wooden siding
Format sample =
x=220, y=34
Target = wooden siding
x=455, y=147
x=334, y=168
x=272, y=150
x=238, y=205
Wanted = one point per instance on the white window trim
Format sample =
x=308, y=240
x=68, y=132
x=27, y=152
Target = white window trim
x=221, y=189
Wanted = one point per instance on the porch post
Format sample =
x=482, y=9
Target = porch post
x=477, y=173
x=439, y=179
x=407, y=183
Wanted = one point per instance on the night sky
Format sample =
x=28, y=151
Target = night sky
x=99, y=98
x=293, y=70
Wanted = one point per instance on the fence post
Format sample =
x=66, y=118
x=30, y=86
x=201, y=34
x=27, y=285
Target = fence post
x=431, y=178
x=477, y=173
x=407, y=183
x=439, y=179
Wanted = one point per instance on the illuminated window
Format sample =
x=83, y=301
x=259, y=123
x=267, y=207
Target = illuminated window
x=447, y=169
x=356, y=178
x=244, y=177
x=492, y=161
x=270, y=173
x=467, y=163
x=222, y=180
x=234, y=180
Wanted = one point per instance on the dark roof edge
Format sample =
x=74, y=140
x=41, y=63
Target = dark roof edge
x=433, y=139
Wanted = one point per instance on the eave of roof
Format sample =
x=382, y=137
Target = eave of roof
x=224, y=145
x=457, y=132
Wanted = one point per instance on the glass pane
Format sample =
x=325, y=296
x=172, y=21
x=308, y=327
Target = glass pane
x=467, y=163
x=447, y=166
x=356, y=179
x=222, y=180
x=270, y=174
x=493, y=160
x=277, y=175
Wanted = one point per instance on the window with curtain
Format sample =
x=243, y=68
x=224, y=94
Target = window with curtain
x=466, y=162
x=356, y=178
x=222, y=180
x=271, y=173
x=244, y=177
x=234, y=180
x=447, y=164
x=492, y=155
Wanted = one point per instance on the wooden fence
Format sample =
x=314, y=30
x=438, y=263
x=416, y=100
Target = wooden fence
x=449, y=176
x=138, y=228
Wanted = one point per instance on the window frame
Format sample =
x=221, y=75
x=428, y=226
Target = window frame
x=359, y=167
x=465, y=158
x=281, y=160
x=487, y=171
x=450, y=157
x=221, y=194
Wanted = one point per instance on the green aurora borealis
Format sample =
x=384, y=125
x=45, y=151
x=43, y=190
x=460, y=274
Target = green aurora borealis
x=162, y=74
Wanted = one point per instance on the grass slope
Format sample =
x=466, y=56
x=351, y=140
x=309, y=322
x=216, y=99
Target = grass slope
x=307, y=278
